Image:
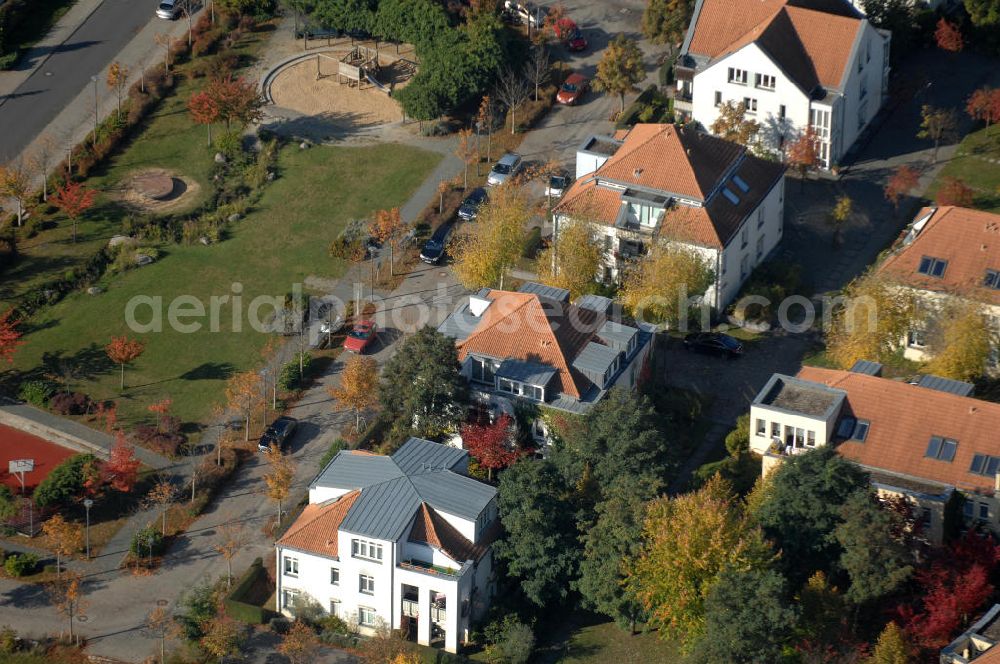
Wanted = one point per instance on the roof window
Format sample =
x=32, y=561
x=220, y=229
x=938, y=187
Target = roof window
x=741, y=183
x=932, y=267
x=983, y=464
x=942, y=449
x=730, y=196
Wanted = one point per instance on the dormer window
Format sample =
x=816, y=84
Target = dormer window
x=932, y=267
x=853, y=429
x=942, y=449
x=992, y=279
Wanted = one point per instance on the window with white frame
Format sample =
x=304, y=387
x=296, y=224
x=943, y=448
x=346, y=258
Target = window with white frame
x=368, y=550
x=819, y=120
x=775, y=430
x=718, y=98
x=366, y=584
x=761, y=427
x=334, y=576
x=738, y=76
x=750, y=104
x=288, y=596
x=765, y=81
x=291, y=566
x=483, y=369
x=517, y=388
x=810, y=439
x=335, y=608
x=984, y=512
x=932, y=267
x=366, y=616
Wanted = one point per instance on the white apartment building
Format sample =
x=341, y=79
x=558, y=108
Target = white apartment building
x=402, y=540
x=794, y=63
x=664, y=183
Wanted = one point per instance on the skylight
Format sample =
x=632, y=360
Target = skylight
x=741, y=183
x=733, y=198
x=932, y=267
x=942, y=449
x=992, y=279
x=983, y=464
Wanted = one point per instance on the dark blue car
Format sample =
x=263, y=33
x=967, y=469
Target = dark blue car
x=472, y=203
x=434, y=248
x=714, y=343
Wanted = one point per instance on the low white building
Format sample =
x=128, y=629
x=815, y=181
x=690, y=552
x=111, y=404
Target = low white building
x=795, y=64
x=402, y=540
x=663, y=183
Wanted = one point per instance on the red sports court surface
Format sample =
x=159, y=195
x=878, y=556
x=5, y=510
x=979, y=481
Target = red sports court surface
x=15, y=444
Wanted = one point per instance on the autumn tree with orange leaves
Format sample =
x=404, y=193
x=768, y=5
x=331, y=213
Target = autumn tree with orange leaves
x=67, y=597
x=358, y=389
x=242, y=391
x=62, y=538
x=117, y=81
x=237, y=99
x=386, y=227
x=803, y=155
x=10, y=336
x=902, y=181
x=74, y=200
x=204, y=110
x=278, y=478
x=122, y=351
x=948, y=37
x=490, y=444
x=467, y=152
x=122, y=467
x=984, y=104
x=954, y=192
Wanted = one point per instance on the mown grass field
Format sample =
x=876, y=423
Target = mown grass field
x=971, y=166
x=280, y=243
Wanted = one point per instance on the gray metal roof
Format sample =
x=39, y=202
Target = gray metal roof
x=597, y=303
x=418, y=454
x=356, y=471
x=617, y=333
x=459, y=324
x=392, y=487
x=551, y=292
x=531, y=373
x=595, y=358
x=946, y=385
x=867, y=367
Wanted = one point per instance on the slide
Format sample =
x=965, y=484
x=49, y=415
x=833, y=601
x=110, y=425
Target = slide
x=373, y=81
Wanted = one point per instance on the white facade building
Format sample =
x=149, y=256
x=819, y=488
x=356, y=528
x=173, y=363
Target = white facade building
x=795, y=64
x=402, y=540
x=662, y=183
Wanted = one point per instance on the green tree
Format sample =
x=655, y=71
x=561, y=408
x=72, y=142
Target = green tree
x=688, y=541
x=66, y=481
x=983, y=13
x=875, y=557
x=871, y=322
x=961, y=341
x=573, y=260
x=620, y=69
x=422, y=389
x=748, y=618
x=8, y=503
x=803, y=507
x=897, y=16
x=891, y=647
x=738, y=440
x=539, y=545
x=665, y=21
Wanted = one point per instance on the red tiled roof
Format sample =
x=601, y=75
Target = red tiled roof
x=316, y=528
x=431, y=528
x=810, y=39
x=991, y=656
x=520, y=326
x=968, y=239
x=904, y=417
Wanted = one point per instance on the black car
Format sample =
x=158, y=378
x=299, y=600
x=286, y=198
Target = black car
x=713, y=342
x=434, y=247
x=277, y=434
x=471, y=204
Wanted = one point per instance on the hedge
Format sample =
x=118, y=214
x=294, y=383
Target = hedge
x=651, y=97
x=240, y=610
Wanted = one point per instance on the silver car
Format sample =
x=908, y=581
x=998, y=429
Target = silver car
x=168, y=9
x=504, y=169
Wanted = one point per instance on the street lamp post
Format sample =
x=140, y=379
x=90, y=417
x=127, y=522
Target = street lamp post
x=94, y=81
x=87, y=504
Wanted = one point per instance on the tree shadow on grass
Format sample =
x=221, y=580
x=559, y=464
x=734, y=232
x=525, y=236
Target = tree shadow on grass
x=209, y=371
x=85, y=364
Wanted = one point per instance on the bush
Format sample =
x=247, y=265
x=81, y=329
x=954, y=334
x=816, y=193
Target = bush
x=160, y=439
x=196, y=609
x=35, y=392
x=8, y=640
x=532, y=243
x=70, y=403
x=650, y=106
x=335, y=447
x=65, y=482
x=20, y=564
x=145, y=542
x=738, y=440
x=666, y=74
x=330, y=624
x=290, y=378
x=509, y=641
x=279, y=625
x=7, y=61
x=773, y=280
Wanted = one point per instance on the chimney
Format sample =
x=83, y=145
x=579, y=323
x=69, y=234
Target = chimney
x=477, y=305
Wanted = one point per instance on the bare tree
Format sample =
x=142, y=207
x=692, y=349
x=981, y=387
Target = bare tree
x=41, y=161
x=160, y=624
x=232, y=538
x=539, y=67
x=512, y=90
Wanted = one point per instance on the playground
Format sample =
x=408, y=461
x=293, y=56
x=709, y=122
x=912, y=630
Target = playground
x=349, y=84
x=16, y=444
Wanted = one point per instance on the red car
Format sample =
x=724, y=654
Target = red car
x=568, y=32
x=361, y=336
x=572, y=89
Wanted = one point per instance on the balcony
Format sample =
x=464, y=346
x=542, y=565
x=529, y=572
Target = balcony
x=438, y=614
x=427, y=568
x=410, y=608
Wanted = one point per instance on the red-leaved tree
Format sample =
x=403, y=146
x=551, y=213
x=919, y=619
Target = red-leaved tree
x=984, y=104
x=954, y=192
x=204, y=110
x=122, y=351
x=10, y=336
x=803, y=154
x=122, y=467
x=900, y=183
x=948, y=37
x=490, y=444
x=237, y=99
x=73, y=199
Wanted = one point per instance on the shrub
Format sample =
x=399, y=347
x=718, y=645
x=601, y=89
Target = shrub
x=8, y=640
x=336, y=446
x=666, y=74
x=279, y=625
x=509, y=640
x=7, y=61
x=166, y=441
x=35, y=392
x=533, y=242
x=290, y=378
x=196, y=609
x=146, y=540
x=20, y=564
x=773, y=280
x=70, y=403
x=329, y=624
x=66, y=481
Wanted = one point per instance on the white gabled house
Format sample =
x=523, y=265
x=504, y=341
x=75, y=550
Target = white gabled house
x=402, y=540
x=664, y=183
x=794, y=63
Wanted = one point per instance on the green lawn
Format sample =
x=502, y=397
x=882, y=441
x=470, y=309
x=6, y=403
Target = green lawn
x=166, y=139
x=970, y=167
x=280, y=243
x=583, y=641
x=39, y=17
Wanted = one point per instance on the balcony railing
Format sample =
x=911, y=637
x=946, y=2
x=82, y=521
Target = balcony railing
x=421, y=566
x=438, y=614
x=410, y=608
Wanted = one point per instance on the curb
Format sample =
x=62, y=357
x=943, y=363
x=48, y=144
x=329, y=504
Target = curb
x=41, y=63
x=272, y=73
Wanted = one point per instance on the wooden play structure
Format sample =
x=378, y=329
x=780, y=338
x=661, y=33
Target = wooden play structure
x=359, y=66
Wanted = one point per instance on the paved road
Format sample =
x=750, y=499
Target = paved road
x=66, y=72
